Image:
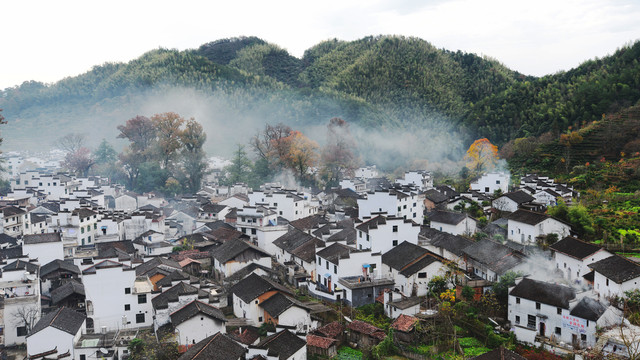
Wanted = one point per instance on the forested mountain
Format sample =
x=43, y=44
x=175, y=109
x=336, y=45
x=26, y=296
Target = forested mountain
x=375, y=82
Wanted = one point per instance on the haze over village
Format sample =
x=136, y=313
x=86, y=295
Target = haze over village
x=444, y=180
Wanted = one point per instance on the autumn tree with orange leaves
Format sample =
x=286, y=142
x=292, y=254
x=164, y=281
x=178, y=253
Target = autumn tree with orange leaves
x=302, y=154
x=481, y=156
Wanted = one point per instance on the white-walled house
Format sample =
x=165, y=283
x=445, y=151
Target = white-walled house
x=412, y=267
x=573, y=257
x=235, y=254
x=44, y=247
x=398, y=202
x=614, y=275
x=283, y=310
x=420, y=178
x=490, y=182
x=250, y=219
x=445, y=245
x=382, y=233
x=55, y=334
x=453, y=222
x=250, y=292
x=512, y=201
x=289, y=204
x=557, y=312
x=172, y=299
x=524, y=226
x=283, y=345
x=20, y=283
x=115, y=298
x=196, y=321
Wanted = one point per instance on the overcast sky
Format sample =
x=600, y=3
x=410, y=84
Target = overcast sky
x=48, y=40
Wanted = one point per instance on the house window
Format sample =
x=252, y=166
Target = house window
x=422, y=275
x=127, y=307
x=82, y=230
x=395, y=228
x=360, y=234
x=127, y=290
x=497, y=182
x=142, y=298
x=394, y=242
x=83, y=357
x=21, y=331
x=95, y=226
x=517, y=319
x=139, y=318
x=583, y=337
x=607, y=282
x=558, y=331
x=89, y=239
x=531, y=321
x=517, y=300
x=559, y=311
x=319, y=261
x=537, y=306
x=260, y=319
x=335, y=269
x=327, y=263
x=254, y=231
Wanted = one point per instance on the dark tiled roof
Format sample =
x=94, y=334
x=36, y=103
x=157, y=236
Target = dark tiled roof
x=113, y=249
x=156, y=262
x=57, y=264
x=499, y=354
x=41, y=238
x=177, y=275
x=519, y=197
x=11, y=211
x=105, y=264
x=21, y=265
x=435, y=196
x=334, y=252
x=234, y=247
x=223, y=234
x=589, y=309
x=83, y=213
x=373, y=223
x=64, y=319
x=11, y=253
x=279, y=303
x=253, y=286
x=248, y=336
x=403, y=255
x=544, y=292
x=495, y=256
x=69, y=288
x=528, y=217
x=575, y=248
x=214, y=225
x=347, y=234
x=245, y=271
x=299, y=243
x=617, y=268
x=452, y=243
x=173, y=295
x=6, y=239
x=447, y=217
x=194, y=308
x=309, y=222
x=215, y=347
x=283, y=344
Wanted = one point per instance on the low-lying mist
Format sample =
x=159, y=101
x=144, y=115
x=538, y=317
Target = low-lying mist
x=233, y=116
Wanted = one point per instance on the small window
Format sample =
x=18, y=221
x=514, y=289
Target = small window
x=335, y=269
x=319, y=260
x=558, y=331
x=607, y=282
x=517, y=300
x=139, y=318
x=531, y=321
x=360, y=234
x=422, y=275
x=559, y=311
x=583, y=337
x=260, y=319
x=21, y=331
x=327, y=263
x=517, y=319
x=254, y=231
x=142, y=298
x=537, y=306
x=394, y=242
x=127, y=290
x=395, y=228
x=83, y=357
x=127, y=307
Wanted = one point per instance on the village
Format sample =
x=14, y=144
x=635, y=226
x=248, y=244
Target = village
x=91, y=270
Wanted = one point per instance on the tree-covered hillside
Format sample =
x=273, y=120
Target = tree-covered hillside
x=383, y=82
